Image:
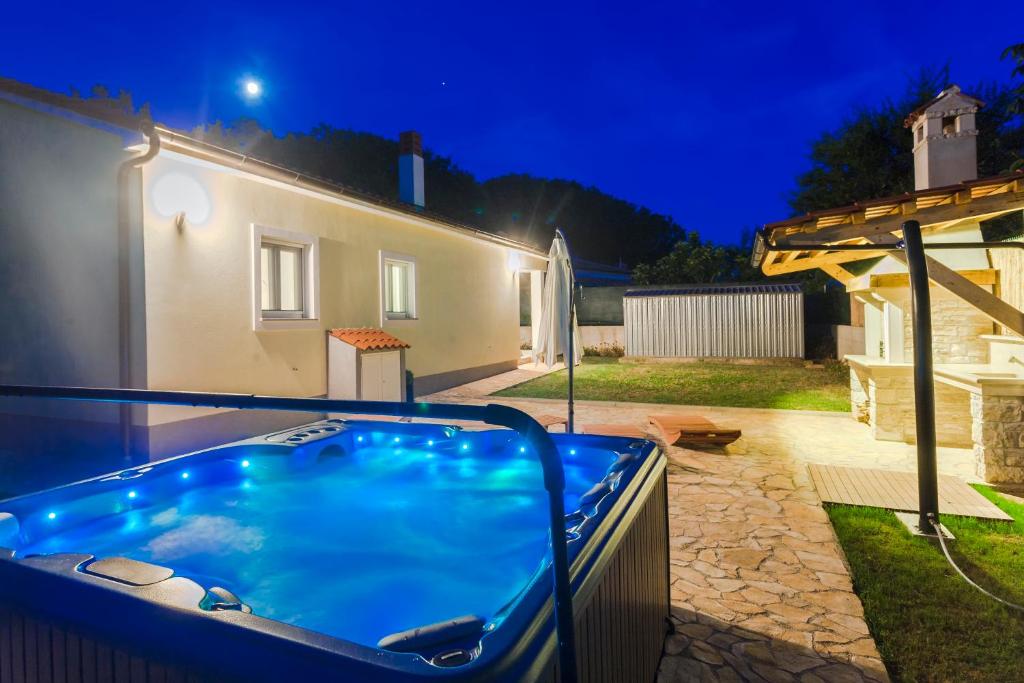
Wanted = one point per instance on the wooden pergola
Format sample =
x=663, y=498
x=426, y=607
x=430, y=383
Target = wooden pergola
x=877, y=222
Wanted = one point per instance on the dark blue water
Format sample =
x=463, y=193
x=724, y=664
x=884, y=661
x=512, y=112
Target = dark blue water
x=355, y=544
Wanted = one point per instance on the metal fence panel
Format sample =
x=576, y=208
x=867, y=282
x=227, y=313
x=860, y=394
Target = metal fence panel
x=715, y=325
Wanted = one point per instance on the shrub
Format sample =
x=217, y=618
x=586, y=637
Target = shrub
x=605, y=351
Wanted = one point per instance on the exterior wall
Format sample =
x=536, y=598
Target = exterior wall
x=199, y=289
x=957, y=328
x=849, y=341
x=59, y=229
x=1010, y=263
x=998, y=435
x=59, y=309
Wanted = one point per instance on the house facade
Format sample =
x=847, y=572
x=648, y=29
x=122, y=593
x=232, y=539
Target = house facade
x=976, y=294
x=154, y=260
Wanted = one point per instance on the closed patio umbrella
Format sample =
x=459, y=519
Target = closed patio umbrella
x=559, y=334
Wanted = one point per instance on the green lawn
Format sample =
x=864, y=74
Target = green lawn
x=703, y=384
x=928, y=623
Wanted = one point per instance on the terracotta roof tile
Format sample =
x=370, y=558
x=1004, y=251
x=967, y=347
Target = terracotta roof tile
x=368, y=338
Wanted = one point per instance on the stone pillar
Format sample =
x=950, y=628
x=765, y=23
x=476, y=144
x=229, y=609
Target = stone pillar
x=891, y=407
x=859, y=404
x=998, y=434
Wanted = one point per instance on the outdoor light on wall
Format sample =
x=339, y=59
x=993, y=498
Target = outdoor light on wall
x=182, y=197
x=514, y=261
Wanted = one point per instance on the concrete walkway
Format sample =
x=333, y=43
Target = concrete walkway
x=760, y=587
x=495, y=383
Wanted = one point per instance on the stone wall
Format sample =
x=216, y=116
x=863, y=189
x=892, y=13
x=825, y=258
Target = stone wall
x=886, y=404
x=998, y=434
x=956, y=330
x=859, y=404
x=891, y=407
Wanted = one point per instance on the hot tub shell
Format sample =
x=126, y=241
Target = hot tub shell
x=60, y=623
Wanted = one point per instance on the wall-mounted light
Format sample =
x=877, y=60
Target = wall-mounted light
x=183, y=197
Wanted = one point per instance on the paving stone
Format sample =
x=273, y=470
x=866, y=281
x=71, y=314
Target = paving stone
x=704, y=652
x=676, y=643
x=839, y=602
x=759, y=597
x=743, y=557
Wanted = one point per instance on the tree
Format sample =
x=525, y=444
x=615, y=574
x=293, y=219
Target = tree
x=599, y=227
x=1016, y=53
x=693, y=260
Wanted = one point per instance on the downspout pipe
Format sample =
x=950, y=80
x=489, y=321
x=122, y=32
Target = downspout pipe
x=126, y=380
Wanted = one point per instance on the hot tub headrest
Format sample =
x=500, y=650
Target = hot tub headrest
x=430, y=636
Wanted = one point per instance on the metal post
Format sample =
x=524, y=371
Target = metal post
x=924, y=381
x=570, y=357
x=570, y=351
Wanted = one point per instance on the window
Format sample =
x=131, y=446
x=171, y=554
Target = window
x=285, y=279
x=398, y=286
x=281, y=278
x=948, y=125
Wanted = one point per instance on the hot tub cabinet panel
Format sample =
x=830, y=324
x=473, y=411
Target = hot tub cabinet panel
x=60, y=623
x=622, y=609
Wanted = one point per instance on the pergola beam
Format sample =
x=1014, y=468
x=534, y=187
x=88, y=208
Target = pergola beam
x=839, y=273
x=978, y=209
x=987, y=276
x=780, y=266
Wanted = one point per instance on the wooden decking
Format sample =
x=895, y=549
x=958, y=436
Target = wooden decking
x=898, y=491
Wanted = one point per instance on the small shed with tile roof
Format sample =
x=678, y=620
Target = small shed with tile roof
x=366, y=364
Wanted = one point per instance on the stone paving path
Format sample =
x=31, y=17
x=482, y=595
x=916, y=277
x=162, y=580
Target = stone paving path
x=760, y=587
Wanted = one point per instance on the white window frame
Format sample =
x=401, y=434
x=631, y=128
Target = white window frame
x=385, y=257
x=310, y=245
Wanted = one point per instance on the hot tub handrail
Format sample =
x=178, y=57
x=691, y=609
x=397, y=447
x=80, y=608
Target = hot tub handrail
x=495, y=414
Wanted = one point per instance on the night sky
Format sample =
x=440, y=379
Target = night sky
x=702, y=110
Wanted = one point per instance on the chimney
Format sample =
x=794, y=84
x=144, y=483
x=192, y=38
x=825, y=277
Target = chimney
x=945, y=148
x=410, y=168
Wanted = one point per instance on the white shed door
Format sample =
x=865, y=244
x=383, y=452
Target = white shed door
x=380, y=376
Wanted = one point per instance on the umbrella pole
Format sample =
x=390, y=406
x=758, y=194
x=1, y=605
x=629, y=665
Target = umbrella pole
x=570, y=357
x=570, y=351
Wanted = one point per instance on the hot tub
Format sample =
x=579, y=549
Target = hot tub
x=341, y=550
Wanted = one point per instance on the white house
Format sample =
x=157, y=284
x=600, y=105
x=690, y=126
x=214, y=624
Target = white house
x=159, y=261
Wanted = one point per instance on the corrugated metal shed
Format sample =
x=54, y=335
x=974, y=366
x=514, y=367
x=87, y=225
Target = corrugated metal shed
x=715, y=321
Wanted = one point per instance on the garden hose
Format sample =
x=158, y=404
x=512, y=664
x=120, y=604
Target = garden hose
x=945, y=551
